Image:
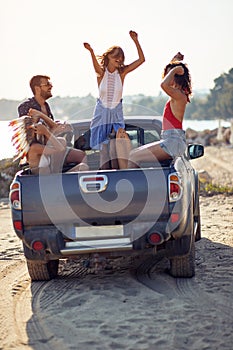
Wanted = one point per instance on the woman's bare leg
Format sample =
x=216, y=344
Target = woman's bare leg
x=79, y=167
x=75, y=156
x=123, y=148
x=57, y=159
x=104, y=158
x=147, y=153
x=113, y=154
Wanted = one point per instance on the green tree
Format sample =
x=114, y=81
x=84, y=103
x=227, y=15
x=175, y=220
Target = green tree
x=220, y=101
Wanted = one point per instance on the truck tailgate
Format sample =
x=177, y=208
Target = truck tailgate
x=95, y=197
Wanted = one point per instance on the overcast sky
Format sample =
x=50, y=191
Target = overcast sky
x=46, y=37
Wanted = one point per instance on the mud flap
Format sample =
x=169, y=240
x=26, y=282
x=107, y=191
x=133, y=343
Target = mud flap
x=52, y=239
x=178, y=247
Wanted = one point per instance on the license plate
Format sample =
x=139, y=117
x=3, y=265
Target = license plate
x=99, y=231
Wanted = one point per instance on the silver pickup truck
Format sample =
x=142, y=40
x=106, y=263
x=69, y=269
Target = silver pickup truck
x=110, y=212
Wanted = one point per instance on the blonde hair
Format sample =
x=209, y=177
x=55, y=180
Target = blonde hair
x=117, y=52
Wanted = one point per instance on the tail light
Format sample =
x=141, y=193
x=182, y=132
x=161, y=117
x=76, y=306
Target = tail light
x=38, y=245
x=14, y=196
x=175, y=187
x=18, y=226
x=155, y=238
x=175, y=217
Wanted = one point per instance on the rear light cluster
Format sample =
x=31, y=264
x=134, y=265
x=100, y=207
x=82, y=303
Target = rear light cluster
x=155, y=238
x=38, y=245
x=18, y=225
x=175, y=217
x=14, y=196
x=174, y=187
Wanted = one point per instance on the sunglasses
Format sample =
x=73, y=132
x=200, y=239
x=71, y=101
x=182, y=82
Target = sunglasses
x=47, y=84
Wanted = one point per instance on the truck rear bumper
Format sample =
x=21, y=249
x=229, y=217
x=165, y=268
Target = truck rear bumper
x=104, y=245
x=55, y=245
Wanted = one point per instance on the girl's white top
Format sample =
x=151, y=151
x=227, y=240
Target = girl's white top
x=110, y=89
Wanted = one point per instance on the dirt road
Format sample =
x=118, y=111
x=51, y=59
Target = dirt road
x=133, y=305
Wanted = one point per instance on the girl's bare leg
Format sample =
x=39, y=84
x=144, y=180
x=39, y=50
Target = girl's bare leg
x=147, y=153
x=123, y=148
x=113, y=154
x=57, y=159
x=79, y=167
x=75, y=156
x=104, y=158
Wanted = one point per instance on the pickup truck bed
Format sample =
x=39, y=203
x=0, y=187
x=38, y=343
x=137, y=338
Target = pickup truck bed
x=110, y=212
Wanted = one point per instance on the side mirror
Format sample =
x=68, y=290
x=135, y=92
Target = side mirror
x=195, y=151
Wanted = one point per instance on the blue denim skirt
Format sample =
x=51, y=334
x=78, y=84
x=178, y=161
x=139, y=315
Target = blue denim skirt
x=104, y=120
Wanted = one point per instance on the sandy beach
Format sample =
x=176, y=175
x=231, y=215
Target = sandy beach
x=133, y=303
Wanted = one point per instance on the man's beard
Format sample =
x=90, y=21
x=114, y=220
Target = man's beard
x=46, y=95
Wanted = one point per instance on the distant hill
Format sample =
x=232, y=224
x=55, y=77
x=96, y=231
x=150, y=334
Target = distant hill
x=83, y=107
x=62, y=107
x=8, y=109
x=74, y=108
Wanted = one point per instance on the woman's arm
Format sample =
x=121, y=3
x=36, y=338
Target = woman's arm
x=141, y=57
x=54, y=144
x=98, y=69
x=36, y=115
x=55, y=127
x=168, y=84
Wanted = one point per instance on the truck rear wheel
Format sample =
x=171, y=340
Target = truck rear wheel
x=42, y=271
x=184, y=266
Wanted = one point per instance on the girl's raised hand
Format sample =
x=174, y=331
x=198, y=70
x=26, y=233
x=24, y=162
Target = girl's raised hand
x=178, y=57
x=133, y=35
x=87, y=46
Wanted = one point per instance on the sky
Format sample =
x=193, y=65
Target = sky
x=46, y=37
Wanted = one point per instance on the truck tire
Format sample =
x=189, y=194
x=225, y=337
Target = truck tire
x=184, y=266
x=42, y=271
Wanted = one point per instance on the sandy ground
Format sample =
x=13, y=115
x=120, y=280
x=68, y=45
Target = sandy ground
x=134, y=305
